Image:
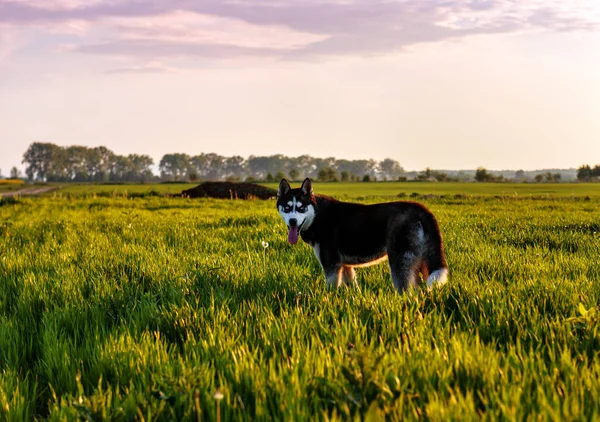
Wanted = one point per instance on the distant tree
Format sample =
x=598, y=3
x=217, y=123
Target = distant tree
x=345, y=176
x=235, y=166
x=425, y=174
x=76, y=163
x=43, y=161
x=538, y=178
x=482, y=175
x=174, y=166
x=366, y=178
x=328, y=174
x=278, y=176
x=584, y=173
x=293, y=174
x=556, y=177
x=121, y=167
x=390, y=169
x=440, y=176
x=100, y=161
x=140, y=168
x=548, y=176
x=595, y=172
x=15, y=173
x=520, y=175
x=269, y=177
x=216, y=166
x=193, y=177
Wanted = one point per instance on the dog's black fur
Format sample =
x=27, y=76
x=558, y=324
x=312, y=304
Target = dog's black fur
x=347, y=235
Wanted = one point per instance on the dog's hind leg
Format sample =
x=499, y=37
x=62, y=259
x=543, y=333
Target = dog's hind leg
x=404, y=248
x=435, y=267
x=405, y=270
x=349, y=276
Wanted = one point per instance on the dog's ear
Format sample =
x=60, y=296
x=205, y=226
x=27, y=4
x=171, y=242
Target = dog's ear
x=307, y=187
x=284, y=187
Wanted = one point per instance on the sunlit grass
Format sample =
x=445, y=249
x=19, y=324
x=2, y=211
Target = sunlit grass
x=119, y=308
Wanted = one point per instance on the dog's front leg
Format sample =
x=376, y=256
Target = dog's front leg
x=333, y=275
x=331, y=266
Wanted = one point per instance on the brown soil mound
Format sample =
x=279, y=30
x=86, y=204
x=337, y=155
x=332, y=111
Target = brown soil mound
x=230, y=190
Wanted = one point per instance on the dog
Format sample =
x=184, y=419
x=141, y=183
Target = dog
x=347, y=235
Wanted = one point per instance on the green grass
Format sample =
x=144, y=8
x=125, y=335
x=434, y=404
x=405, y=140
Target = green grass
x=119, y=308
x=351, y=190
x=81, y=189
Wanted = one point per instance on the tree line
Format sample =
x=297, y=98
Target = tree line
x=586, y=173
x=53, y=163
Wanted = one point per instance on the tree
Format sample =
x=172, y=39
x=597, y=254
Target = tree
x=538, y=178
x=520, y=175
x=278, y=176
x=345, y=176
x=440, y=176
x=43, y=161
x=293, y=174
x=584, y=173
x=235, y=167
x=390, y=169
x=15, y=173
x=76, y=163
x=121, y=167
x=100, y=161
x=425, y=174
x=174, y=166
x=556, y=177
x=140, y=168
x=327, y=174
x=481, y=175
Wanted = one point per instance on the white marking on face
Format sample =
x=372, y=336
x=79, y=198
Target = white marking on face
x=304, y=214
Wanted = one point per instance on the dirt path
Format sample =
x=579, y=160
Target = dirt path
x=38, y=190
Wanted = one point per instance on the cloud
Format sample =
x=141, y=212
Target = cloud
x=297, y=29
x=150, y=67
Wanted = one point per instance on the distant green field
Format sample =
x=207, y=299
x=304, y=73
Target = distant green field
x=120, y=189
x=379, y=189
x=354, y=190
x=121, y=308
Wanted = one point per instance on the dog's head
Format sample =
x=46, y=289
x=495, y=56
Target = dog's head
x=296, y=207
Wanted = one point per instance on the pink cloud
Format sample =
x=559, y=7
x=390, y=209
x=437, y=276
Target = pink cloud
x=300, y=29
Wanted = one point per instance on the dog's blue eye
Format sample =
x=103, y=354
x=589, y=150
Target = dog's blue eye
x=287, y=208
x=301, y=209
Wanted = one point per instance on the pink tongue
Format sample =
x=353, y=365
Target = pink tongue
x=293, y=235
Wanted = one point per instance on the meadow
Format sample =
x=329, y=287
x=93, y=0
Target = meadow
x=118, y=307
x=348, y=190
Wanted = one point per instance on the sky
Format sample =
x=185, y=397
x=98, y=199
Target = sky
x=446, y=84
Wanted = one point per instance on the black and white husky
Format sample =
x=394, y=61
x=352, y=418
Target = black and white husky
x=345, y=235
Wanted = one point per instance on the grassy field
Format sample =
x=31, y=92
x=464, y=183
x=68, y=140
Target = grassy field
x=351, y=190
x=123, y=308
x=8, y=185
